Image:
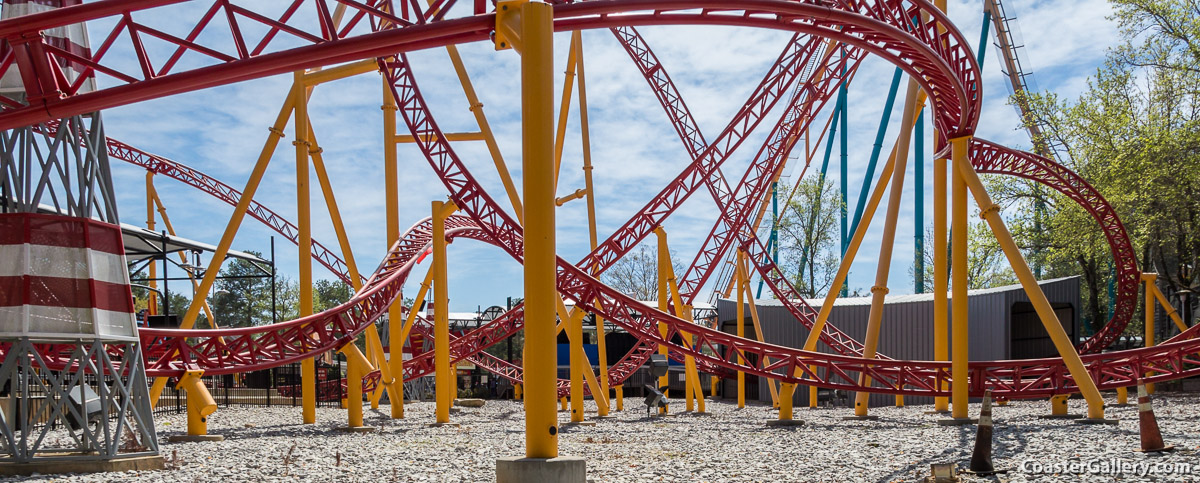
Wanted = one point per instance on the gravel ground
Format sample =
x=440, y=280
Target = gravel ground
x=726, y=445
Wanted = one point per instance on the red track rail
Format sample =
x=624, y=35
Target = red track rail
x=940, y=61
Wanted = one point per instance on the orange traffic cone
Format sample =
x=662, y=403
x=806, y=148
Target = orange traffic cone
x=1152, y=441
x=981, y=457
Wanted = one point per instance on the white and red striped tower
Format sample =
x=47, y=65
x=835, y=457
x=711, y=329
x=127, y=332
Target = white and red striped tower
x=72, y=377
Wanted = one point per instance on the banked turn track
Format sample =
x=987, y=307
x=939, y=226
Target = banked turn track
x=940, y=62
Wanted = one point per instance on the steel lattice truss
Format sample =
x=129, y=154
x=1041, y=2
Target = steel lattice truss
x=911, y=34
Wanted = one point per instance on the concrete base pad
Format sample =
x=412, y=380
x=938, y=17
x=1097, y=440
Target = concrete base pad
x=195, y=438
x=140, y=463
x=860, y=418
x=358, y=429
x=522, y=470
x=443, y=425
x=578, y=423
x=1116, y=405
x=957, y=421
x=1060, y=416
x=469, y=403
x=1096, y=421
x=931, y=413
x=1164, y=449
x=784, y=423
x=602, y=418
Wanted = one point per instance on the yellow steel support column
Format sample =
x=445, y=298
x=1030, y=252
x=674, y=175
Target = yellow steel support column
x=152, y=299
x=663, y=295
x=883, y=266
x=578, y=359
x=991, y=213
x=1149, y=280
x=941, y=303
x=585, y=134
x=1170, y=310
x=564, y=109
x=200, y=403
x=357, y=367
x=537, y=124
x=308, y=367
x=758, y=333
x=620, y=394
x=1122, y=396
x=441, y=326
x=235, y=221
x=162, y=211
x=1058, y=404
x=741, y=327
x=958, y=302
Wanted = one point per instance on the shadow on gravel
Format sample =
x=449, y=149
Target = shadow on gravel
x=962, y=443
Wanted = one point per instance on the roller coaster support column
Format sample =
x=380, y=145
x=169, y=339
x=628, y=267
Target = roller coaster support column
x=663, y=295
x=941, y=305
x=585, y=134
x=741, y=329
x=308, y=367
x=528, y=26
x=958, y=206
x=441, y=326
x=152, y=298
x=200, y=405
x=392, y=210
x=1066, y=349
x=883, y=267
x=358, y=366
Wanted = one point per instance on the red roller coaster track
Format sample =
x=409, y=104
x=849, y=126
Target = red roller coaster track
x=932, y=51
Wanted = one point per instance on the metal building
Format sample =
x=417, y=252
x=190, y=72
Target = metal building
x=1003, y=325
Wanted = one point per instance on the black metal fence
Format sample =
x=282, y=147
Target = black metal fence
x=278, y=386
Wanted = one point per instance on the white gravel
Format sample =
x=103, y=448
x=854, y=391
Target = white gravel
x=727, y=445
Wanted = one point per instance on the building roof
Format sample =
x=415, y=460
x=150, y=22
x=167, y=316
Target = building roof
x=908, y=298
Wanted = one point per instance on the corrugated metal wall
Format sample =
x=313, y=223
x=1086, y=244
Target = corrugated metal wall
x=907, y=328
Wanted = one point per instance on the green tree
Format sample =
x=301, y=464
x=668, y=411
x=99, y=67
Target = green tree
x=636, y=274
x=808, y=237
x=1134, y=134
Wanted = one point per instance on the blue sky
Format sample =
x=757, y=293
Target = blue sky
x=634, y=148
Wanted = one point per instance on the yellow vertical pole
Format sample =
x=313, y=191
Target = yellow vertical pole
x=391, y=198
x=574, y=327
x=585, y=135
x=308, y=367
x=441, y=327
x=1149, y=280
x=152, y=300
x=884, y=264
x=620, y=393
x=958, y=211
x=941, y=324
x=664, y=380
x=941, y=305
x=537, y=148
x=741, y=328
x=758, y=333
x=1122, y=396
x=354, y=389
x=1062, y=342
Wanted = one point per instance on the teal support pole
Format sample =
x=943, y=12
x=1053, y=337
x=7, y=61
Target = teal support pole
x=864, y=193
x=983, y=37
x=919, y=212
x=773, y=241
